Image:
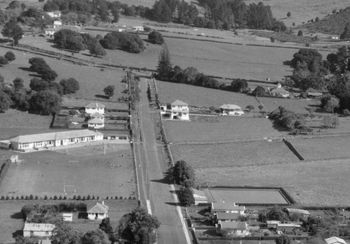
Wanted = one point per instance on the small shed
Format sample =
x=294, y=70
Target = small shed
x=67, y=217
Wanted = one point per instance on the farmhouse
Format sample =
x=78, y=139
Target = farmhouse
x=178, y=110
x=50, y=32
x=93, y=108
x=57, y=24
x=54, y=139
x=231, y=109
x=54, y=14
x=234, y=228
x=300, y=212
x=335, y=240
x=283, y=227
x=279, y=91
x=217, y=207
x=38, y=230
x=98, y=211
x=96, y=123
x=138, y=28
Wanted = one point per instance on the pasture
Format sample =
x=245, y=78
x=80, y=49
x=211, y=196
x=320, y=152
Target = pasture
x=92, y=80
x=235, y=155
x=12, y=221
x=312, y=183
x=322, y=148
x=302, y=10
x=80, y=171
x=220, y=129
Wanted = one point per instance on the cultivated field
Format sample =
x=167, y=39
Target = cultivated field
x=220, y=129
x=12, y=221
x=234, y=155
x=302, y=10
x=77, y=171
x=313, y=183
x=322, y=148
x=92, y=80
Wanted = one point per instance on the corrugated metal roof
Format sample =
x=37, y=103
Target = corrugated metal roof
x=54, y=136
x=38, y=227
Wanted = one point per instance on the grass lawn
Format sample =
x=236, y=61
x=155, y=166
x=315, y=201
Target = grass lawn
x=313, y=183
x=220, y=130
x=92, y=80
x=234, y=154
x=322, y=148
x=78, y=171
x=295, y=105
x=11, y=220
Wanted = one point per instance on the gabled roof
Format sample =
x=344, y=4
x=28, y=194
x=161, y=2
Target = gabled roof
x=95, y=105
x=96, y=121
x=227, y=216
x=99, y=208
x=179, y=103
x=335, y=240
x=38, y=227
x=231, y=107
x=280, y=90
x=51, y=136
x=233, y=225
x=298, y=211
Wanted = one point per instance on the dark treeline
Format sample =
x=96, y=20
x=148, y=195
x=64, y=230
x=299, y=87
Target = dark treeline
x=219, y=14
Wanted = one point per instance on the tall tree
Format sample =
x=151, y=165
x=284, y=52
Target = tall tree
x=164, y=70
x=13, y=30
x=5, y=102
x=183, y=174
x=45, y=102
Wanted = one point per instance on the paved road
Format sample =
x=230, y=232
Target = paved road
x=162, y=200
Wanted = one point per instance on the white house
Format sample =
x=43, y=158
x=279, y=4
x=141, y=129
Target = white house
x=177, y=110
x=98, y=211
x=42, y=141
x=54, y=14
x=67, y=217
x=234, y=228
x=38, y=230
x=335, y=240
x=57, y=24
x=50, y=32
x=96, y=123
x=223, y=207
x=231, y=109
x=93, y=108
x=138, y=28
x=279, y=91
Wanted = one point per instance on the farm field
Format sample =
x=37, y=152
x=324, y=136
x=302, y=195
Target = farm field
x=295, y=105
x=302, y=10
x=92, y=80
x=312, y=183
x=220, y=129
x=77, y=171
x=12, y=222
x=321, y=148
x=234, y=155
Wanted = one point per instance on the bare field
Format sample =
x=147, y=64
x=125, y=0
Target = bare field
x=224, y=129
x=78, y=171
x=237, y=154
x=11, y=220
x=314, y=183
x=92, y=80
x=302, y=10
x=322, y=148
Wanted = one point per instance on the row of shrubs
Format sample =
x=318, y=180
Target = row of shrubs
x=75, y=197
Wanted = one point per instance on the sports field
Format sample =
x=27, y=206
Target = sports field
x=220, y=129
x=319, y=183
x=79, y=171
x=237, y=154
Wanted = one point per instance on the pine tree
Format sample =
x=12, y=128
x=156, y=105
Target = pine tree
x=164, y=69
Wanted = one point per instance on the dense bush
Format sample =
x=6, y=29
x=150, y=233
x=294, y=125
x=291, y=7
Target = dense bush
x=122, y=40
x=182, y=174
x=287, y=119
x=155, y=37
x=45, y=102
x=329, y=103
x=69, y=39
x=69, y=86
x=185, y=195
x=5, y=102
x=3, y=60
x=38, y=84
x=39, y=66
x=10, y=56
x=259, y=91
x=109, y=91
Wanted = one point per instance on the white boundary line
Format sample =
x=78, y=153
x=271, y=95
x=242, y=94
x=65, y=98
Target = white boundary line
x=178, y=209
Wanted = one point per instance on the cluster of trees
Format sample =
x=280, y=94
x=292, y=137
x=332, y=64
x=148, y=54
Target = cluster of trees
x=44, y=95
x=288, y=119
x=74, y=41
x=129, y=42
x=332, y=74
x=12, y=30
x=155, y=37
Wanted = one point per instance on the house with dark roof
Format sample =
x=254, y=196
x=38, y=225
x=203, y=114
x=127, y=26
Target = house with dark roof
x=98, y=211
x=49, y=140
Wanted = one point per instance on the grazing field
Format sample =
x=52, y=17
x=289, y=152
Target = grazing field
x=221, y=129
x=295, y=105
x=321, y=148
x=201, y=96
x=302, y=10
x=12, y=221
x=313, y=183
x=77, y=171
x=247, y=196
x=92, y=80
x=237, y=154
